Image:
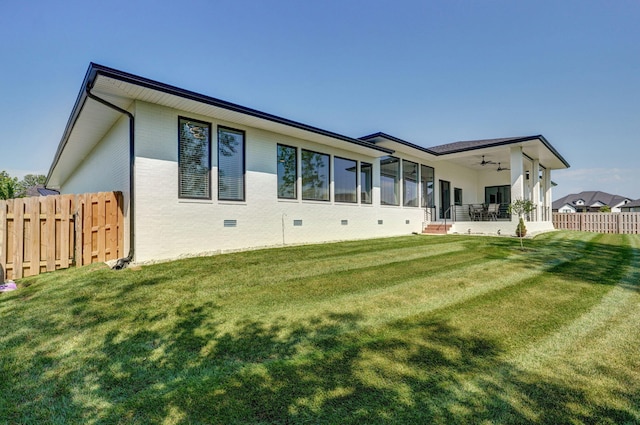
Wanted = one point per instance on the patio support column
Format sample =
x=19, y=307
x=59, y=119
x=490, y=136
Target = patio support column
x=547, y=194
x=517, y=176
x=535, y=188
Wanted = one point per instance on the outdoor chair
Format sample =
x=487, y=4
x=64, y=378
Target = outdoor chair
x=493, y=210
x=476, y=212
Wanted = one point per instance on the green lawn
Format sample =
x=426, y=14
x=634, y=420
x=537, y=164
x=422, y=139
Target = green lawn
x=451, y=329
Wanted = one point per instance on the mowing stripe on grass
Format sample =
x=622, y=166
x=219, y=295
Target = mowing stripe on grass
x=618, y=299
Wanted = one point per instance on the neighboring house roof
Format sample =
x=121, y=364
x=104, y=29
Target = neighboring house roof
x=590, y=199
x=632, y=204
x=40, y=190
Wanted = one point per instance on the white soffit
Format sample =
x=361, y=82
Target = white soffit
x=121, y=93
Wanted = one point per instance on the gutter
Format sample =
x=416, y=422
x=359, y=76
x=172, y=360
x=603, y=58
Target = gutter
x=123, y=262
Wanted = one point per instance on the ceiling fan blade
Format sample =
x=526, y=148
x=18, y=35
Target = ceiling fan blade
x=483, y=162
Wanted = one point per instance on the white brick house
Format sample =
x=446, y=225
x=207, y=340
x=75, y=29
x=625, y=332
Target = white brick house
x=202, y=175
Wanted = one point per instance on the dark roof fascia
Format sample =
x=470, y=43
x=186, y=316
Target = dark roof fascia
x=75, y=113
x=504, y=142
x=400, y=141
x=96, y=70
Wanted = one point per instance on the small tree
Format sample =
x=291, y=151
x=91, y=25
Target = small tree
x=8, y=186
x=605, y=209
x=521, y=207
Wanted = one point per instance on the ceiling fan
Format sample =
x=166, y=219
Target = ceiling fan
x=501, y=168
x=483, y=162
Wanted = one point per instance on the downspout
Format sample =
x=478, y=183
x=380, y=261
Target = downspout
x=123, y=262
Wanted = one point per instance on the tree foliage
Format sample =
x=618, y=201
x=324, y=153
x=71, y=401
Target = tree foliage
x=11, y=187
x=521, y=207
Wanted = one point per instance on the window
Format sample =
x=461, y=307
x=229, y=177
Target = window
x=499, y=195
x=389, y=180
x=366, y=182
x=445, y=198
x=194, y=159
x=345, y=176
x=315, y=176
x=230, y=164
x=287, y=172
x=427, y=179
x=410, y=183
x=457, y=196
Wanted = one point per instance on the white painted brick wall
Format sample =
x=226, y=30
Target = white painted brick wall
x=168, y=227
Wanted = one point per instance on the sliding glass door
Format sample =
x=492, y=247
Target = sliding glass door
x=445, y=199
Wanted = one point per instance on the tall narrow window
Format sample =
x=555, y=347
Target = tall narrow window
x=345, y=176
x=389, y=180
x=194, y=159
x=427, y=179
x=315, y=175
x=410, y=183
x=230, y=164
x=366, y=182
x=287, y=172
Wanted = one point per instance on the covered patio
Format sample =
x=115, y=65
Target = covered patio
x=502, y=171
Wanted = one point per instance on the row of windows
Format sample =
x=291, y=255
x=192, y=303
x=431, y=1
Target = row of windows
x=315, y=172
x=413, y=176
x=194, y=163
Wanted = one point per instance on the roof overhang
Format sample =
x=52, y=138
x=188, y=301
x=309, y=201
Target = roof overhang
x=498, y=151
x=90, y=120
x=469, y=154
x=399, y=145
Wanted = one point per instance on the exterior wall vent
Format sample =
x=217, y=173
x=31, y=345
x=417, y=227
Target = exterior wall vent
x=297, y=222
x=407, y=222
x=380, y=221
x=230, y=223
x=344, y=222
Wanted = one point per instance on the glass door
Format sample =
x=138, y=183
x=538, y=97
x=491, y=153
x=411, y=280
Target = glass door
x=445, y=199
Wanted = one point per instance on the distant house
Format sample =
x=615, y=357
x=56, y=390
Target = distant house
x=202, y=175
x=40, y=190
x=633, y=206
x=589, y=201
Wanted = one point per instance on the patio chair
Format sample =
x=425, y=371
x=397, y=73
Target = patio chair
x=493, y=210
x=476, y=212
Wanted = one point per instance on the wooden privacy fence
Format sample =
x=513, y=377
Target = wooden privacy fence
x=47, y=233
x=624, y=222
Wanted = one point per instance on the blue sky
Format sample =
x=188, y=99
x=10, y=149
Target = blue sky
x=430, y=72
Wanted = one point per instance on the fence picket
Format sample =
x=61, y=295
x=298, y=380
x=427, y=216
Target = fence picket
x=622, y=222
x=48, y=233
